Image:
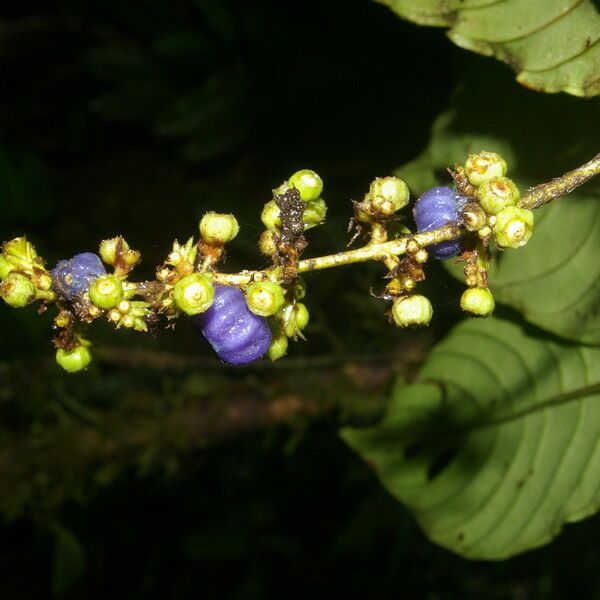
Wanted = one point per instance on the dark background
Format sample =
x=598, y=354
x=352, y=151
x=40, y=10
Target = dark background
x=132, y=480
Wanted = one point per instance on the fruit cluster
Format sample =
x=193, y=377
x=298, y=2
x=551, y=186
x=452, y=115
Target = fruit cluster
x=247, y=315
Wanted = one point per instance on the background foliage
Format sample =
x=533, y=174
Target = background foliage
x=159, y=473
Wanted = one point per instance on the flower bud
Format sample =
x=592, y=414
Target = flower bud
x=20, y=253
x=314, y=213
x=474, y=217
x=388, y=195
x=270, y=215
x=496, y=194
x=308, y=183
x=278, y=347
x=514, y=227
x=267, y=243
x=17, y=290
x=106, y=291
x=218, y=228
x=194, y=293
x=483, y=166
x=74, y=360
x=109, y=249
x=264, y=298
x=294, y=318
x=478, y=301
x=412, y=310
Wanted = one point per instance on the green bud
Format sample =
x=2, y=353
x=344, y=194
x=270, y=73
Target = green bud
x=278, y=347
x=21, y=254
x=218, y=228
x=498, y=193
x=412, y=310
x=5, y=267
x=74, y=360
x=314, y=213
x=513, y=227
x=270, y=215
x=294, y=318
x=478, y=301
x=106, y=291
x=308, y=183
x=17, y=290
x=388, y=195
x=109, y=248
x=264, y=298
x=483, y=166
x=268, y=242
x=194, y=293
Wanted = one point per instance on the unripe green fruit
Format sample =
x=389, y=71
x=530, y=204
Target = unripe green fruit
x=314, y=213
x=267, y=243
x=478, y=301
x=388, y=195
x=412, y=310
x=5, y=267
x=264, y=298
x=194, y=293
x=498, y=193
x=278, y=347
x=218, y=228
x=513, y=227
x=270, y=215
x=106, y=291
x=74, y=360
x=17, y=290
x=108, y=249
x=483, y=166
x=308, y=183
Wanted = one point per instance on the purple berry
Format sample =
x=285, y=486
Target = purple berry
x=434, y=209
x=237, y=335
x=72, y=277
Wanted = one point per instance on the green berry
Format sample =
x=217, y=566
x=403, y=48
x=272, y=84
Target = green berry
x=270, y=215
x=498, y=193
x=106, y=291
x=278, y=347
x=388, y=195
x=412, y=310
x=513, y=227
x=74, y=360
x=478, y=301
x=194, y=293
x=483, y=166
x=308, y=183
x=218, y=228
x=314, y=213
x=17, y=290
x=264, y=298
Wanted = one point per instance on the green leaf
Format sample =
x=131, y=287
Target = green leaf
x=554, y=280
x=68, y=563
x=552, y=45
x=495, y=446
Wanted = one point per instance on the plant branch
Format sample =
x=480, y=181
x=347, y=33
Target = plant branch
x=560, y=186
